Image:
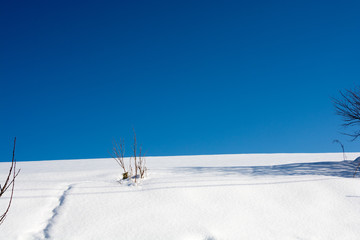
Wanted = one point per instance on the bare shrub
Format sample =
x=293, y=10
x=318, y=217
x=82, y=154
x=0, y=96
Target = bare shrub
x=139, y=160
x=9, y=182
x=134, y=156
x=141, y=164
x=137, y=163
x=118, y=153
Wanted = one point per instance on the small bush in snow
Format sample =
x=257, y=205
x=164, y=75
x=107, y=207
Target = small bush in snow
x=137, y=162
x=118, y=153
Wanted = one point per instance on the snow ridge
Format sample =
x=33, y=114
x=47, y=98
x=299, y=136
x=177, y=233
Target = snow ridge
x=55, y=211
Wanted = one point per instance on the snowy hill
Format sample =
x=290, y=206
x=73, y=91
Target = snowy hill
x=248, y=196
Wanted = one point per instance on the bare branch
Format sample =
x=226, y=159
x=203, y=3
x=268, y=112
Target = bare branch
x=142, y=163
x=342, y=147
x=134, y=152
x=348, y=107
x=118, y=154
x=10, y=181
x=137, y=159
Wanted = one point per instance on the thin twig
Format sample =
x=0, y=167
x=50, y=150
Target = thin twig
x=10, y=181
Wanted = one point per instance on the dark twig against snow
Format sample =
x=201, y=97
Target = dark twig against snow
x=9, y=182
x=342, y=147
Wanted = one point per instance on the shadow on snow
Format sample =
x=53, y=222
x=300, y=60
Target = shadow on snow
x=343, y=169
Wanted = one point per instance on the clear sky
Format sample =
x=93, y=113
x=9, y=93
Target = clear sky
x=192, y=77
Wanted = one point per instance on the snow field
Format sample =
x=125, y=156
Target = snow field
x=249, y=196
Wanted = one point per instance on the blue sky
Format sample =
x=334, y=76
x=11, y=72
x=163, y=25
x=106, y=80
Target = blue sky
x=192, y=77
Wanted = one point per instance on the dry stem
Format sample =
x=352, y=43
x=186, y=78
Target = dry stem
x=10, y=181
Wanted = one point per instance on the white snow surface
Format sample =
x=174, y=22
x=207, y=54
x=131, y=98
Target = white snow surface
x=246, y=196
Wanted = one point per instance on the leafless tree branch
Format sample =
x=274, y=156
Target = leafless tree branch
x=9, y=182
x=348, y=107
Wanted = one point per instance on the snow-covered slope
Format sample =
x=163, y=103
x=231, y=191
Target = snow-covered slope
x=249, y=196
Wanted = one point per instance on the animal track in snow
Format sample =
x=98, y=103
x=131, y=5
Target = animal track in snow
x=55, y=211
